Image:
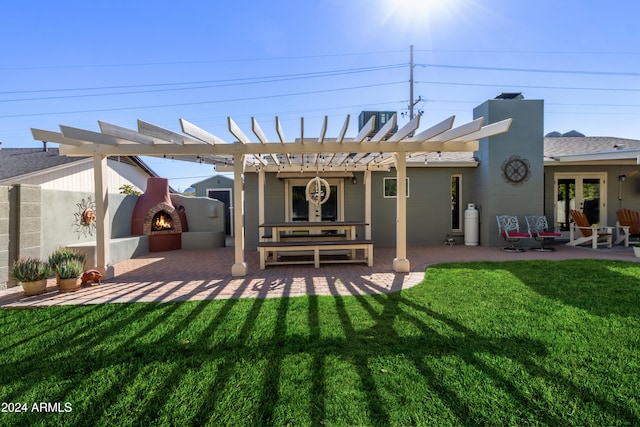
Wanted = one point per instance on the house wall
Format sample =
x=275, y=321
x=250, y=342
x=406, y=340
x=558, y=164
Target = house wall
x=216, y=181
x=619, y=194
x=79, y=176
x=492, y=192
x=428, y=205
x=274, y=201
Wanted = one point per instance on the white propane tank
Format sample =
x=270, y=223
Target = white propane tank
x=471, y=226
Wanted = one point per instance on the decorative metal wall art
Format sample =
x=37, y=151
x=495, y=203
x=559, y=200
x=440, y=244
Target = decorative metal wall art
x=516, y=170
x=85, y=218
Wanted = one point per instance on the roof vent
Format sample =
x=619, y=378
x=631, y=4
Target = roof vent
x=510, y=95
x=620, y=146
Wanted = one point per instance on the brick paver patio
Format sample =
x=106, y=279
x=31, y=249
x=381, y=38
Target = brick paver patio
x=206, y=274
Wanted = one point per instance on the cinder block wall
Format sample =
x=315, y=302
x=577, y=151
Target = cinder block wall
x=4, y=236
x=25, y=210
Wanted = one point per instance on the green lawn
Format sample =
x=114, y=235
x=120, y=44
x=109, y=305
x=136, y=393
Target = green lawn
x=514, y=343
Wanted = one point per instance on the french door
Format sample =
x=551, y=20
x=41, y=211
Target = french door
x=300, y=209
x=586, y=192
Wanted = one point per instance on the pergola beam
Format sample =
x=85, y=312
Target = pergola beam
x=124, y=133
x=57, y=137
x=87, y=135
x=257, y=130
x=385, y=130
x=199, y=134
x=258, y=148
x=459, y=131
x=164, y=134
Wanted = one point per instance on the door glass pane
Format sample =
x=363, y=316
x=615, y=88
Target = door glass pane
x=330, y=207
x=591, y=200
x=455, y=202
x=299, y=204
x=566, y=199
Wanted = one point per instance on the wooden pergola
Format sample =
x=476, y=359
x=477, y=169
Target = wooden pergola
x=366, y=152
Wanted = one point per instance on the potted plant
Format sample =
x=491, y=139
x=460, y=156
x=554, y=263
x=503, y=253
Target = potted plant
x=63, y=254
x=69, y=272
x=636, y=250
x=32, y=274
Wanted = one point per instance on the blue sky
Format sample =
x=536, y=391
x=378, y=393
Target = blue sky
x=75, y=63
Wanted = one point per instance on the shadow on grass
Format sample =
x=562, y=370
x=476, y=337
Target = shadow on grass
x=131, y=340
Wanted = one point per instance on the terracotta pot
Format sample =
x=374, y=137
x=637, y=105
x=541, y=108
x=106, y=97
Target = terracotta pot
x=34, y=288
x=70, y=285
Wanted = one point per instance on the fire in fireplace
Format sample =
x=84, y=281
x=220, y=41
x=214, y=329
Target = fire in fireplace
x=161, y=222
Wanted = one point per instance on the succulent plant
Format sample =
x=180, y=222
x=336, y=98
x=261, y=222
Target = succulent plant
x=30, y=270
x=70, y=268
x=64, y=254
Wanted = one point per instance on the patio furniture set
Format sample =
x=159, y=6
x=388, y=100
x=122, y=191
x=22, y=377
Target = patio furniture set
x=303, y=242
x=580, y=231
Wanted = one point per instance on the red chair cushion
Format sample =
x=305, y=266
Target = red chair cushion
x=549, y=234
x=515, y=234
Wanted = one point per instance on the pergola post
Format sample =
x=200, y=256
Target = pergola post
x=261, y=182
x=103, y=228
x=239, y=268
x=367, y=204
x=400, y=262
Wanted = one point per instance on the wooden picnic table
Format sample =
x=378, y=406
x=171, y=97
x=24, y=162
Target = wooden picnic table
x=321, y=236
x=348, y=227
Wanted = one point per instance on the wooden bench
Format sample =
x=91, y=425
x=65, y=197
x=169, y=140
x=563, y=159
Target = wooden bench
x=298, y=237
x=267, y=248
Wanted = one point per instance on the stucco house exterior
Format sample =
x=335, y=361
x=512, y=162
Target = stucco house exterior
x=218, y=187
x=43, y=193
x=43, y=196
x=556, y=172
x=501, y=162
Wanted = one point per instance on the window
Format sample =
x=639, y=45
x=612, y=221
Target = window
x=456, y=202
x=391, y=187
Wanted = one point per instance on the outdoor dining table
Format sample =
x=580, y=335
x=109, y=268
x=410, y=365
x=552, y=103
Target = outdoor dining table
x=314, y=229
x=348, y=227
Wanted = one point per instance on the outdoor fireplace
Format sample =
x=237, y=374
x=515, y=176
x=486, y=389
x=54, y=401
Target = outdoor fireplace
x=161, y=222
x=155, y=216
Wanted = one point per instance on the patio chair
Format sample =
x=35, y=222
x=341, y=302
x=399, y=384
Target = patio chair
x=540, y=231
x=628, y=225
x=588, y=233
x=509, y=229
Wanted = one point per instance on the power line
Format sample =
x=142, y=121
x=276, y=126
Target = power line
x=532, y=70
x=530, y=52
x=201, y=102
x=527, y=86
x=329, y=55
x=223, y=82
x=213, y=61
